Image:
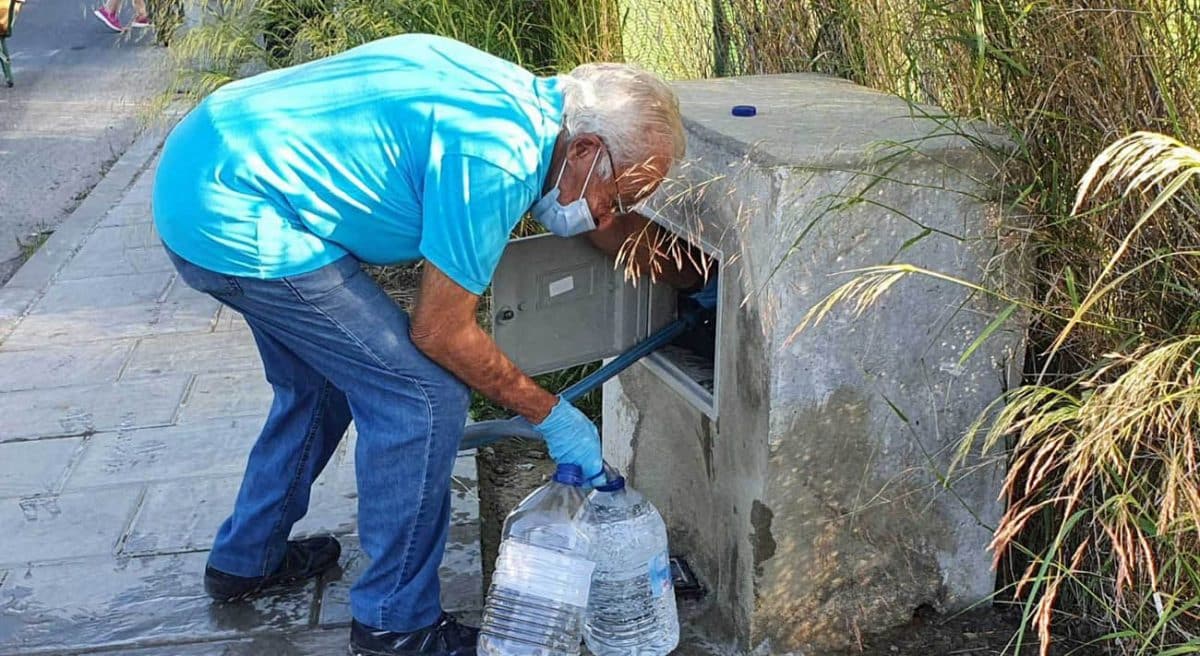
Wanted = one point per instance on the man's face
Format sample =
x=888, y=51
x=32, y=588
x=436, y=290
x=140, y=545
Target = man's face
x=608, y=196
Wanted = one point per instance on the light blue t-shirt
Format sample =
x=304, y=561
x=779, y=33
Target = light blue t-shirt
x=409, y=147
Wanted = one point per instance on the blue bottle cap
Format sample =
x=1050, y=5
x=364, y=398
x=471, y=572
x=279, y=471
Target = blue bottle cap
x=612, y=485
x=569, y=474
x=744, y=110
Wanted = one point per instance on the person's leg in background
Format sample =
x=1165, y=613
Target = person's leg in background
x=108, y=13
x=141, y=15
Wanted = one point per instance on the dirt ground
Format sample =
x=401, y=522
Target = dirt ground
x=511, y=469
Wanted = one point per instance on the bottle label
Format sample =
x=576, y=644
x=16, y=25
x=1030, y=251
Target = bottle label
x=660, y=574
x=541, y=572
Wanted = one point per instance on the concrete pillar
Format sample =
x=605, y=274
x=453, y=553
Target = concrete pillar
x=812, y=505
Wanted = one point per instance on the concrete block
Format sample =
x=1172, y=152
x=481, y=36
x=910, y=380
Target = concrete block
x=84, y=409
x=113, y=308
x=64, y=526
x=301, y=643
x=82, y=364
x=194, y=353
x=14, y=303
x=216, y=447
x=38, y=467
x=124, y=250
x=180, y=516
x=227, y=394
x=101, y=604
x=811, y=504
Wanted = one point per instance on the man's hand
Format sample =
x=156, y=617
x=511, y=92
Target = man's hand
x=573, y=439
x=444, y=328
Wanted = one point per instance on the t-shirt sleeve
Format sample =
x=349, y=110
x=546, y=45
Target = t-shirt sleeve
x=469, y=206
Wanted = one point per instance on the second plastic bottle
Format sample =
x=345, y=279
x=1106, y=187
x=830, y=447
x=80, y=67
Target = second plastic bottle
x=543, y=575
x=632, y=607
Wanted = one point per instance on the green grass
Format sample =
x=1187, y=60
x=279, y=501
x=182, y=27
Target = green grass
x=32, y=243
x=590, y=404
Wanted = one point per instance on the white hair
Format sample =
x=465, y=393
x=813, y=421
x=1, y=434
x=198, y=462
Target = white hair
x=631, y=109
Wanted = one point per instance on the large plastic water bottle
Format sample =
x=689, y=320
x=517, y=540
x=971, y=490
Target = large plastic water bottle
x=539, y=590
x=631, y=610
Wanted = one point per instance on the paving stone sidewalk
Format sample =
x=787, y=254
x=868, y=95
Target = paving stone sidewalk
x=128, y=403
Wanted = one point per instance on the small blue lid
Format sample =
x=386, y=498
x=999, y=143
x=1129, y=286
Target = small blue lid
x=613, y=485
x=744, y=110
x=569, y=474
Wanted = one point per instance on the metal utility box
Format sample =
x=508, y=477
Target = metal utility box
x=558, y=303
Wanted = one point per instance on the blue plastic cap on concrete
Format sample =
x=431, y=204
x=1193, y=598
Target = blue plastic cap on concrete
x=744, y=110
x=569, y=474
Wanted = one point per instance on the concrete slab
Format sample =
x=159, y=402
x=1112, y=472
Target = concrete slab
x=14, y=302
x=184, y=515
x=227, y=394
x=193, y=353
x=180, y=516
x=98, y=603
x=114, y=307
x=80, y=409
x=64, y=526
x=135, y=208
x=38, y=467
x=124, y=250
x=127, y=214
x=316, y=642
x=210, y=448
x=72, y=364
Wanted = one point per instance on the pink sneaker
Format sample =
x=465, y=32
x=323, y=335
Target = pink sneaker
x=141, y=22
x=109, y=18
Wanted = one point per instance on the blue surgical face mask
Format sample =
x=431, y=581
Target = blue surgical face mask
x=570, y=219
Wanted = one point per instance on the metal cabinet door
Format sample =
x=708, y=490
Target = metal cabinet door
x=560, y=302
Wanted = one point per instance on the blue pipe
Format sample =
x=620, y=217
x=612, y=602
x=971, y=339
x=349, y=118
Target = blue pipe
x=487, y=432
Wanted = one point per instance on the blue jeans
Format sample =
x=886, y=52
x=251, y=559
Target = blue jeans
x=334, y=346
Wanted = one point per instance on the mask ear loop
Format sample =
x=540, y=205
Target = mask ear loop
x=588, y=177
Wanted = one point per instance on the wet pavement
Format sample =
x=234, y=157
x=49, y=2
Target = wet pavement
x=128, y=404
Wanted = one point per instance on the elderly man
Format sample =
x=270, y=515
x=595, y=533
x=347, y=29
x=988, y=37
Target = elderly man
x=271, y=193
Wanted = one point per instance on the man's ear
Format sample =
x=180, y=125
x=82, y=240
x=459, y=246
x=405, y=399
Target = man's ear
x=584, y=147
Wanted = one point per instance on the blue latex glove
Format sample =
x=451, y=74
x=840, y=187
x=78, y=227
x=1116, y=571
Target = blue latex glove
x=707, y=297
x=572, y=439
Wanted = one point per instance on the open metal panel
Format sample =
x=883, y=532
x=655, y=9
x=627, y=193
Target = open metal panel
x=561, y=302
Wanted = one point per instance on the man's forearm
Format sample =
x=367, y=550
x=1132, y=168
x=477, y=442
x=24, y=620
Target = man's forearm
x=470, y=354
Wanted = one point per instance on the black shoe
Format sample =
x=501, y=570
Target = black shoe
x=445, y=637
x=303, y=560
